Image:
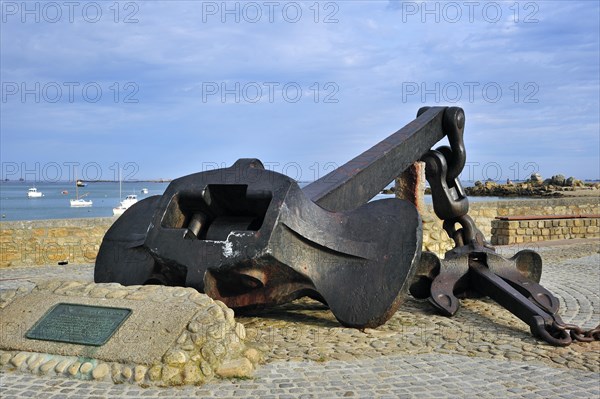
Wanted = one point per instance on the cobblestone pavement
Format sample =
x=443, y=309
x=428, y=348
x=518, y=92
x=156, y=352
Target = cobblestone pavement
x=422, y=376
x=481, y=352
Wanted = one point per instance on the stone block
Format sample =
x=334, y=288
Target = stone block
x=58, y=232
x=147, y=339
x=503, y=212
x=38, y=232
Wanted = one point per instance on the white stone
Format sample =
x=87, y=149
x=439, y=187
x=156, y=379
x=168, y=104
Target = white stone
x=240, y=331
x=74, y=368
x=61, y=367
x=241, y=367
x=5, y=358
x=19, y=358
x=175, y=357
x=49, y=365
x=139, y=373
x=101, y=371
x=126, y=373
x=86, y=367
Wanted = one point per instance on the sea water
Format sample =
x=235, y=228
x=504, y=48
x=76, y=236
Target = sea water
x=15, y=205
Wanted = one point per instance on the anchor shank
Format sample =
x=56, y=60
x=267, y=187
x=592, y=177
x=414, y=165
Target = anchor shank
x=490, y=284
x=360, y=179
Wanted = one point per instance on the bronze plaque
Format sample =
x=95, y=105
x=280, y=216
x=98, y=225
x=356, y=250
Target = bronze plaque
x=79, y=324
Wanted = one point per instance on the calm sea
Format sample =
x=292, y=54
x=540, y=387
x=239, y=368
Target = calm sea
x=14, y=204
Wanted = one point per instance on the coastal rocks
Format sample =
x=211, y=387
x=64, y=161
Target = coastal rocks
x=532, y=187
x=536, y=178
x=559, y=181
x=535, y=186
x=573, y=182
x=493, y=189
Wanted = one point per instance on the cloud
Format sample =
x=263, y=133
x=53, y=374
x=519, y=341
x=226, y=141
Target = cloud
x=528, y=82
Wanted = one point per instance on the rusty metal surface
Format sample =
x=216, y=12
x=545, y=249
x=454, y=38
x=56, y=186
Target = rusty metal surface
x=474, y=271
x=252, y=238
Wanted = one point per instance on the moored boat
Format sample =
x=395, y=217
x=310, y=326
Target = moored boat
x=79, y=202
x=125, y=204
x=34, y=193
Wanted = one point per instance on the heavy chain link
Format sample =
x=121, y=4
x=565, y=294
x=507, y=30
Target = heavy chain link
x=442, y=168
x=560, y=333
x=577, y=333
x=450, y=203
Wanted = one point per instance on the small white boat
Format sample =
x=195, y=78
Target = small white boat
x=125, y=204
x=144, y=191
x=34, y=193
x=80, y=202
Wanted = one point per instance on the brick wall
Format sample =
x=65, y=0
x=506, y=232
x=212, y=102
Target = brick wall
x=521, y=231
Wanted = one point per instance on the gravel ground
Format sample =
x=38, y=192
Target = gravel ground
x=483, y=351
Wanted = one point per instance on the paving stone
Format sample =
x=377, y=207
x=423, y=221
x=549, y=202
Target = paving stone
x=409, y=359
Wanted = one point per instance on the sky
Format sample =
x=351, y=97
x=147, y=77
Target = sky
x=162, y=89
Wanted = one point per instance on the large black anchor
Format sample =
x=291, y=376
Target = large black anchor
x=252, y=237
x=473, y=268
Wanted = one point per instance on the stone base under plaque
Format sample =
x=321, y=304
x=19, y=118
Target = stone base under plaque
x=172, y=336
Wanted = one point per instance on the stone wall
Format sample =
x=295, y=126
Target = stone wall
x=45, y=242
x=520, y=231
x=436, y=240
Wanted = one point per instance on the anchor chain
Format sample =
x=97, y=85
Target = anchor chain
x=442, y=168
x=576, y=332
x=450, y=203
